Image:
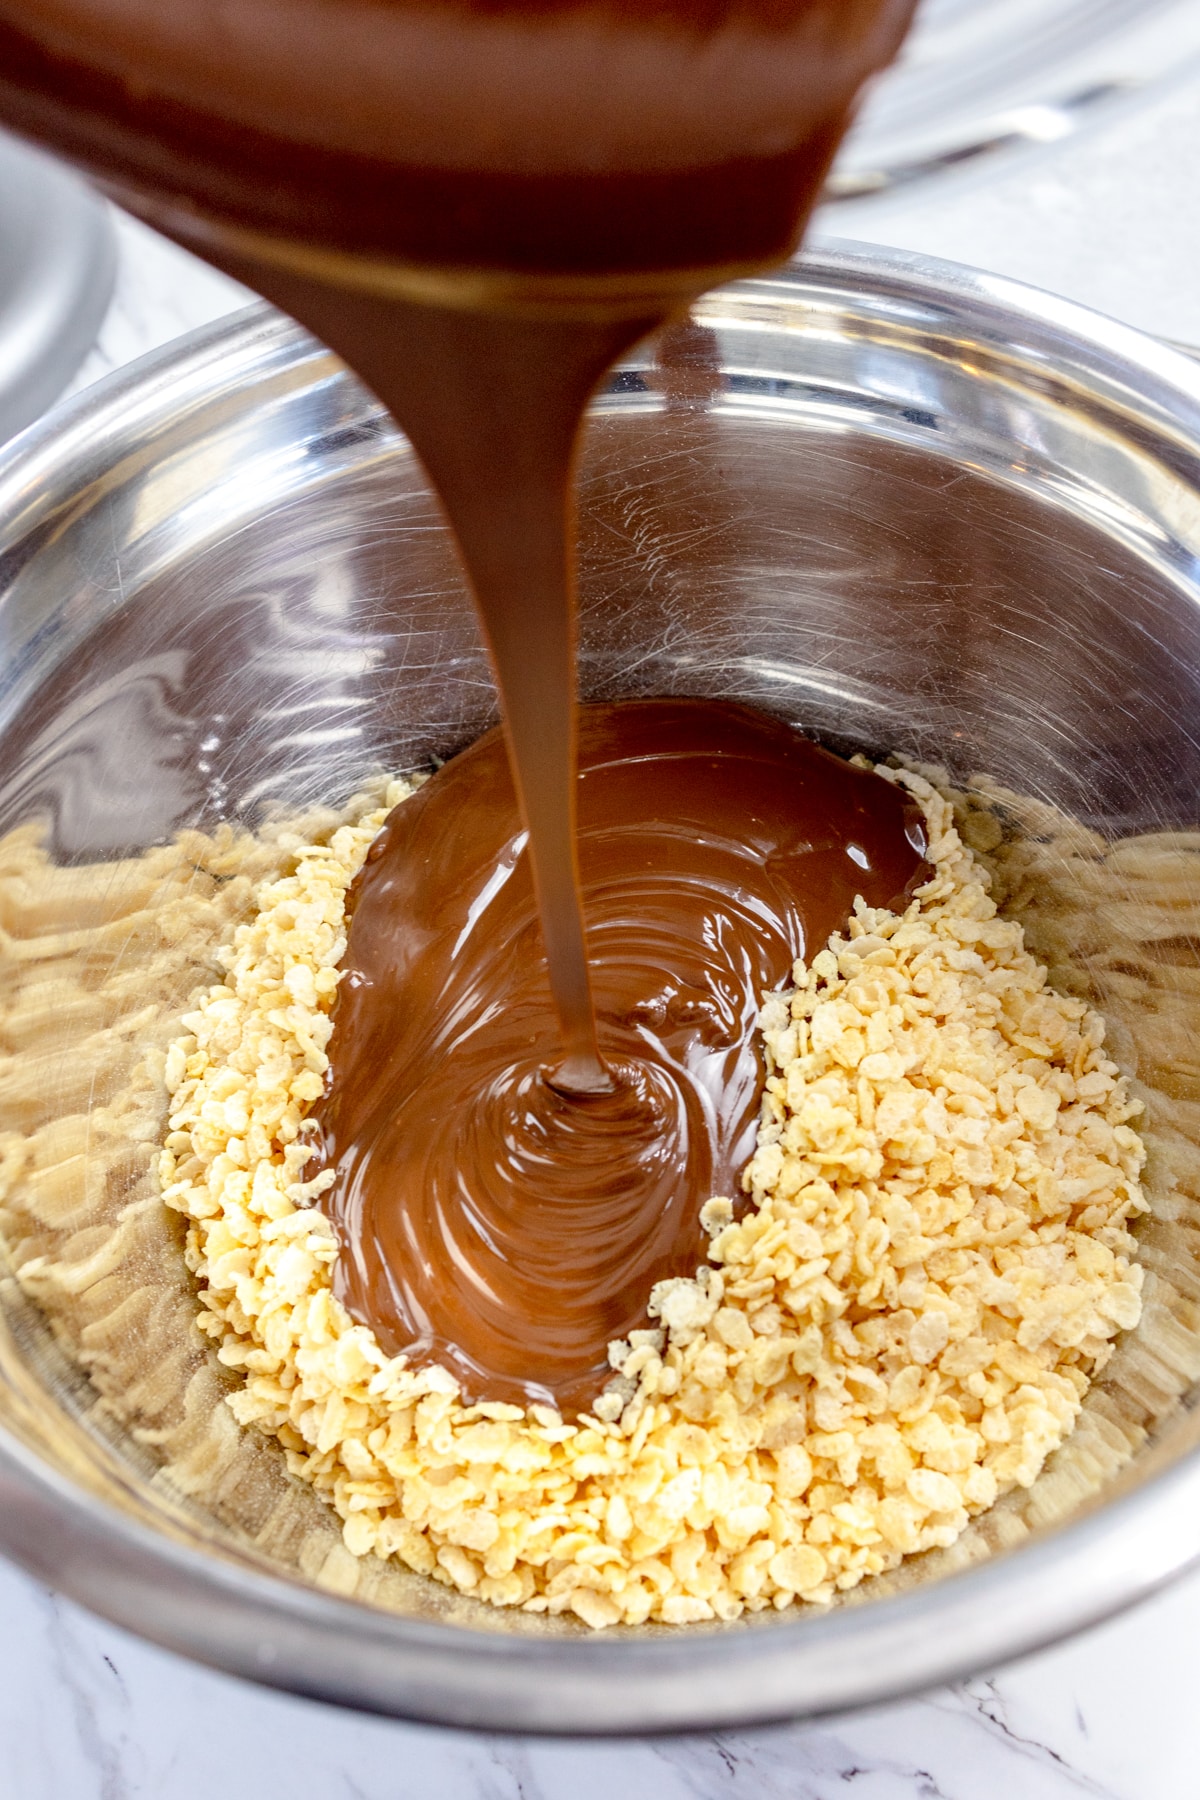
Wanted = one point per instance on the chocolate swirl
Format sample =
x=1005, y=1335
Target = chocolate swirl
x=487, y=1220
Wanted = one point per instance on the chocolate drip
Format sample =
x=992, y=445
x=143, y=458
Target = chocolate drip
x=487, y=1221
x=480, y=206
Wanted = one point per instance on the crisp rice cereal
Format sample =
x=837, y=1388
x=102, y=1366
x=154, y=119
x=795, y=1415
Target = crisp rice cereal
x=902, y=1325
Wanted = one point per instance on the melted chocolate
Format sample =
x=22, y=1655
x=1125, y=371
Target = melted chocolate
x=518, y=135
x=489, y=1222
x=480, y=204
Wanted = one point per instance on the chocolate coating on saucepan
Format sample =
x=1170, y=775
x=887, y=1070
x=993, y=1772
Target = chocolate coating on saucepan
x=486, y=1220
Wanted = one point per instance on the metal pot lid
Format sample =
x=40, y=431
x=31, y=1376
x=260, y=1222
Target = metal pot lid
x=57, y=266
x=980, y=77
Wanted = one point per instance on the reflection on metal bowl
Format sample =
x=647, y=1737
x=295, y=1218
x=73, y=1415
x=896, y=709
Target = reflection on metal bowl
x=909, y=507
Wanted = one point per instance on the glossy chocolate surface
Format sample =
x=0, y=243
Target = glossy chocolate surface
x=488, y=1221
x=540, y=134
x=321, y=151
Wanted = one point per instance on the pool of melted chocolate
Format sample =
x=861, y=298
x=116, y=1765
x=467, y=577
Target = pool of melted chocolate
x=488, y=1220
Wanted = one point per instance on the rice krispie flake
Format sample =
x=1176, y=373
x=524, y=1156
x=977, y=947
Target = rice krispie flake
x=895, y=1327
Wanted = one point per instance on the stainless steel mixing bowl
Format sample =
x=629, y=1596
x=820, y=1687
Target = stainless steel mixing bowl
x=908, y=506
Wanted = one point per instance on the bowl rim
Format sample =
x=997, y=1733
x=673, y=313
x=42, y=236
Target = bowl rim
x=232, y=1614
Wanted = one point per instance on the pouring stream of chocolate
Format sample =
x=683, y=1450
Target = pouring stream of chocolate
x=480, y=207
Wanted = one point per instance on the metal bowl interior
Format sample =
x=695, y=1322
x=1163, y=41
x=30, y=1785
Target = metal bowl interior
x=909, y=508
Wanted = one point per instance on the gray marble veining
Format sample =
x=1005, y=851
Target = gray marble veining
x=87, y=1713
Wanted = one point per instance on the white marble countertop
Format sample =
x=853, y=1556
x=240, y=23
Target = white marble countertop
x=88, y=1713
